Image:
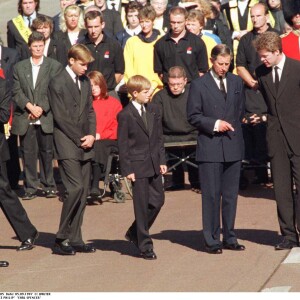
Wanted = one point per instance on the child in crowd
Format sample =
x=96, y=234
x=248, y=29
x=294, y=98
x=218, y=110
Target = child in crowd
x=142, y=160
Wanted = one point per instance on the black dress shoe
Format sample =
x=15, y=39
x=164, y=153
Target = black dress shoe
x=149, y=254
x=235, y=246
x=29, y=196
x=4, y=263
x=85, y=248
x=29, y=243
x=177, y=187
x=63, y=248
x=217, y=249
x=131, y=238
x=286, y=245
x=51, y=194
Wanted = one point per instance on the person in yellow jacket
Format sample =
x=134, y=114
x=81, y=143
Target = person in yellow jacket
x=138, y=51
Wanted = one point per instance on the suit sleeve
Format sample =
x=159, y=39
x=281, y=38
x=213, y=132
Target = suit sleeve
x=61, y=113
x=195, y=113
x=18, y=95
x=11, y=43
x=123, y=144
x=4, y=102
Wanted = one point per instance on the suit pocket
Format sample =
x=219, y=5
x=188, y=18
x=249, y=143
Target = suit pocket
x=137, y=157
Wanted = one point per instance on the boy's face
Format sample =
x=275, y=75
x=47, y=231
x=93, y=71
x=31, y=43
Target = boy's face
x=132, y=19
x=141, y=97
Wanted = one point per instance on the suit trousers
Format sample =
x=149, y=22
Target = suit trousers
x=35, y=144
x=13, y=209
x=219, y=186
x=13, y=165
x=75, y=176
x=285, y=168
x=148, y=198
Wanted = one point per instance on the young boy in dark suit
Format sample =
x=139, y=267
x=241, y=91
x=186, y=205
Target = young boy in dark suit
x=142, y=160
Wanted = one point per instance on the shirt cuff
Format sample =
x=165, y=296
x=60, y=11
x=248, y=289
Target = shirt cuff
x=216, y=128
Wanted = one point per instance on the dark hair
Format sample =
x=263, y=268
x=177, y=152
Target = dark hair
x=133, y=5
x=99, y=79
x=20, y=10
x=92, y=15
x=36, y=37
x=40, y=20
x=222, y=50
x=177, y=10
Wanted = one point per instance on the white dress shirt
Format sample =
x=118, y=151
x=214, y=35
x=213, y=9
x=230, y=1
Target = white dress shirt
x=280, y=68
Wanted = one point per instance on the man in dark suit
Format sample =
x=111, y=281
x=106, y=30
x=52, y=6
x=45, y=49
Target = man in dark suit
x=279, y=83
x=9, y=201
x=142, y=160
x=215, y=107
x=18, y=29
x=74, y=135
x=8, y=58
x=33, y=120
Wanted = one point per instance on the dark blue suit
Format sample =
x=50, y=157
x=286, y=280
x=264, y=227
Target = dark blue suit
x=219, y=154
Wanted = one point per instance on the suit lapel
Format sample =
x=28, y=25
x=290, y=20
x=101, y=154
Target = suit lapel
x=84, y=92
x=28, y=75
x=150, y=120
x=284, y=78
x=268, y=82
x=138, y=118
x=42, y=72
x=214, y=90
x=72, y=88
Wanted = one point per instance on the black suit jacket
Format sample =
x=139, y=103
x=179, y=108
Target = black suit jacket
x=14, y=38
x=24, y=92
x=73, y=115
x=205, y=106
x=4, y=116
x=141, y=151
x=9, y=58
x=284, y=106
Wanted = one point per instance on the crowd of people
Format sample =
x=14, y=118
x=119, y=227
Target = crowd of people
x=132, y=76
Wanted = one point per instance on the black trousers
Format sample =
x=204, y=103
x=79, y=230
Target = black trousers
x=219, y=186
x=148, y=198
x=13, y=165
x=13, y=209
x=285, y=168
x=36, y=144
x=75, y=176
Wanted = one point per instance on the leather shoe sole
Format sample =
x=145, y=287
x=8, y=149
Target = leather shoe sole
x=29, y=196
x=29, y=243
x=85, y=248
x=234, y=247
x=149, y=255
x=4, y=263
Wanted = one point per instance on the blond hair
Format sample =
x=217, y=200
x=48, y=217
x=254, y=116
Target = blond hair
x=137, y=83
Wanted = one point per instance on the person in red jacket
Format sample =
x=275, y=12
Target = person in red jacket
x=106, y=108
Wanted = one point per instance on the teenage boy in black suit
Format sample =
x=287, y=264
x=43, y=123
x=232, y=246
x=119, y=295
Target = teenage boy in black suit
x=142, y=159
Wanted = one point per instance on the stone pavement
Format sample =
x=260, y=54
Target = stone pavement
x=182, y=264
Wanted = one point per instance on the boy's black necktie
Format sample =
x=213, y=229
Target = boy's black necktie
x=276, y=81
x=143, y=115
